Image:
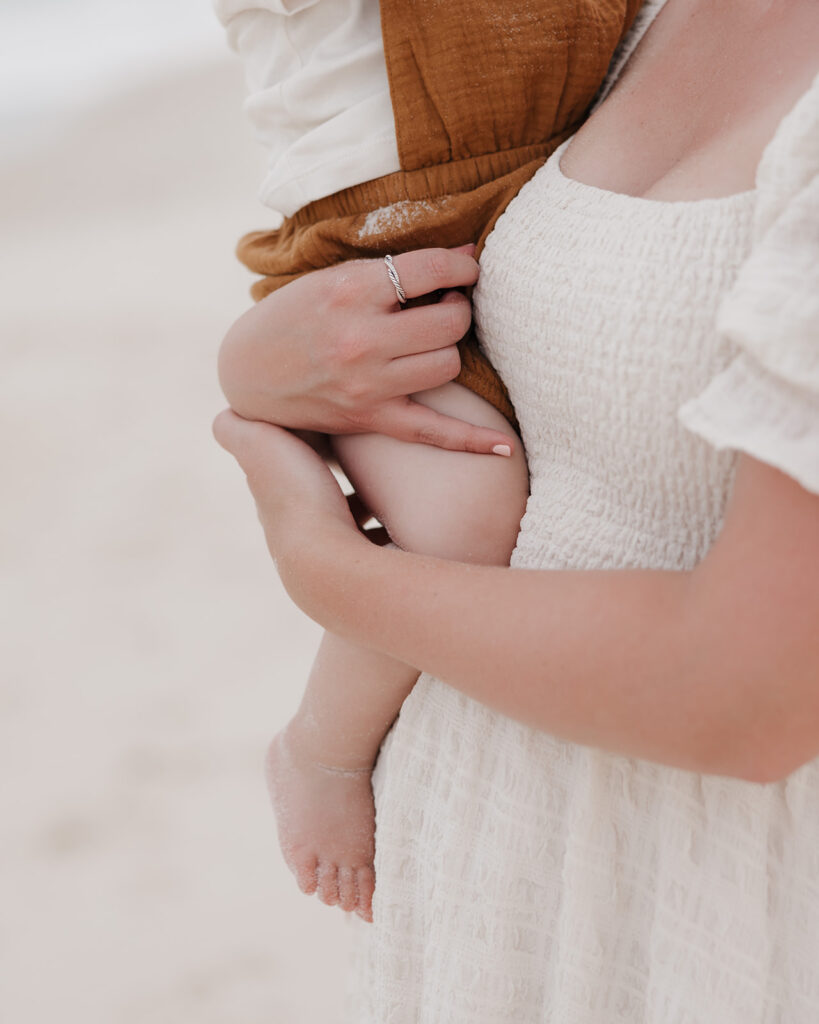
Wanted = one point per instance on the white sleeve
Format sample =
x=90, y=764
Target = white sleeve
x=766, y=401
x=319, y=96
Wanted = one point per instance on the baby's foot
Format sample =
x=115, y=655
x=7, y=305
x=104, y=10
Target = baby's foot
x=326, y=822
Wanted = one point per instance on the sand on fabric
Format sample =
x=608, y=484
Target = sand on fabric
x=148, y=650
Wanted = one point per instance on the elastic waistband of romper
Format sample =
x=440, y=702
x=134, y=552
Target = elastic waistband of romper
x=459, y=176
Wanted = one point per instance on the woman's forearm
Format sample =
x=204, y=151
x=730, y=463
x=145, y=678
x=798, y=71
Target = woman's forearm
x=595, y=657
x=610, y=659
x=713, y=670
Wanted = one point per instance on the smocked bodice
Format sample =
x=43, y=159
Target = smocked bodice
x=599, y=311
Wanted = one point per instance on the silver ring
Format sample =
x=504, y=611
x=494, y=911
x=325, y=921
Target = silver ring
x=396, y=280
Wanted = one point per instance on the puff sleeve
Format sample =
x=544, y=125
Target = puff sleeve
x=766, y=401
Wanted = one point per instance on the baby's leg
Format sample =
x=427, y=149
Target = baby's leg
x=319, y=771
x=453, y=505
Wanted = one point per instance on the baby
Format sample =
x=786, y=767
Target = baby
x=469, y=127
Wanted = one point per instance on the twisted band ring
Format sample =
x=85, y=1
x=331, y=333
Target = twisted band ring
x=396, y=280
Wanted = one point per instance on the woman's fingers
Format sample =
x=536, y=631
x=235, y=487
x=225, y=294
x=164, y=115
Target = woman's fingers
x=238, y=436
x=422, y=372
x=424, y=271
x=255, y=446
x=409, y=421
x=284, y=473
x=468, y=247
x=424, y=328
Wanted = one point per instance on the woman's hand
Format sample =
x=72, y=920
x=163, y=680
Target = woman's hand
x=300, y=505
x=334, y=351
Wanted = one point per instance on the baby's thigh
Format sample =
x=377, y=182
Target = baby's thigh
x=455, y=505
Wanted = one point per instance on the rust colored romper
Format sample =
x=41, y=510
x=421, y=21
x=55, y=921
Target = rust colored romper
x=482, y=92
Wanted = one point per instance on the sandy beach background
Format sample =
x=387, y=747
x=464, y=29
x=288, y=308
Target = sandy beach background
x=148, y=650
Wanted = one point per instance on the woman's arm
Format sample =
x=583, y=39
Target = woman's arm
x=714, y=670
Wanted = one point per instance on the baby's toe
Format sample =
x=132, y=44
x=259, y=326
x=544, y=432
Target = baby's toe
x=365, y=883
x=347, y=898
x=305, y=872
x=328, y=884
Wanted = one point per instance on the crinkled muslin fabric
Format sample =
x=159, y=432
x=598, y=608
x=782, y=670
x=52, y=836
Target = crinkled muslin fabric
x=482, y=91
x=522, y=879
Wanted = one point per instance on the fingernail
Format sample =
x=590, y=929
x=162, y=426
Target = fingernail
x=502, y=449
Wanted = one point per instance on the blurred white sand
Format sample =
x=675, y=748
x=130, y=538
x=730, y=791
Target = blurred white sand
x=148, y=650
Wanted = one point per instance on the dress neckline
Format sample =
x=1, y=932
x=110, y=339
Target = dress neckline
x=736, y=200
x=707, y=203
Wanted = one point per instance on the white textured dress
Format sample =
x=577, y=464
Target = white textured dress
x=522, y=879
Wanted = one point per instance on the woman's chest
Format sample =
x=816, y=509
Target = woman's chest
x=700, y=99
x=598, y=311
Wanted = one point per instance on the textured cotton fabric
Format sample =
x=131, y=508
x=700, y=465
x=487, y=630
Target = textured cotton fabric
x=766, y=402
x=522, y=879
